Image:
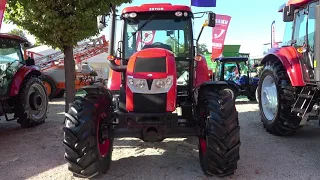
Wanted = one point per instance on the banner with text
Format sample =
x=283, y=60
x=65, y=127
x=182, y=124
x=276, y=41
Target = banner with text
x=274, y=44
x=2, y=8
x=219, y=33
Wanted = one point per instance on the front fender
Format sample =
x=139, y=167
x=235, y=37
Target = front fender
x=290, y=60
x=20, y=76
x=208, y=84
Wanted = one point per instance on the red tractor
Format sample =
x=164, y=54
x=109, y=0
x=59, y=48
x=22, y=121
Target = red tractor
x=143, y=99
x=288, y=89
x=22, y=93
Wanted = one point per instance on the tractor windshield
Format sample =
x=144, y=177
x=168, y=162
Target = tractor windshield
x=158, y=30
x=10, y=57
x=10, y=50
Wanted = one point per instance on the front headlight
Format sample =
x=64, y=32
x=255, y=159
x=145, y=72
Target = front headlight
x=140, y=83
x=131, y=81
x=160, y=84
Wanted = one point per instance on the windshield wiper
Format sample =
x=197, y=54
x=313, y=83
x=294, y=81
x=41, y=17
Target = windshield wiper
x=143, y=25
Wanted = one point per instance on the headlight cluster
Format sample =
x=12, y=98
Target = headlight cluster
x=163, y=84
x=138, y=83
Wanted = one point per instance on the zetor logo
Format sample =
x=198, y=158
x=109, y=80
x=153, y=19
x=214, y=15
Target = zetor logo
x=156, y=9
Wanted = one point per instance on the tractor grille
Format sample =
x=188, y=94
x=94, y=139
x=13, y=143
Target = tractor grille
x=149, y=103
x=150, y=64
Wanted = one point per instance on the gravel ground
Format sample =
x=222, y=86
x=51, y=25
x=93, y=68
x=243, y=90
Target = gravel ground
x=37, y=153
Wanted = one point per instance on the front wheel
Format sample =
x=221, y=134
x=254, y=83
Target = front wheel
x=32, y=103
x=87, y=135
x=276, y=98
x=219, y=147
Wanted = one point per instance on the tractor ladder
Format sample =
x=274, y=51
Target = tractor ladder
x=81, y=52
x=304, y=104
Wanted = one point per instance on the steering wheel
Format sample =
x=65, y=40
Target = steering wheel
x=158, y=45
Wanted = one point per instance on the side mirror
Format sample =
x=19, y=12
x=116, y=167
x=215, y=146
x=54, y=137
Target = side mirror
x=26, y=45
x=101, y=22
x=169, y=33
x=212, y=19
x=288, y=13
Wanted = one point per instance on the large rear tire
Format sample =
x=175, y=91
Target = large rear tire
x=50, y=85
x=276, y=99
x=87, y=135
x=60, y=93
x=32, y=103
x=220, y=145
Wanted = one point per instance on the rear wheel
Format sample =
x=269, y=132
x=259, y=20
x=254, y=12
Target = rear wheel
x=50, y=86
x=220, y=145
x=60, y=93
x=87, y=135
x=232, y=92
x=276, y=99
x=252, y=94
x=32, y=103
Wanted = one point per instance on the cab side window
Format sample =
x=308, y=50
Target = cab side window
x=300, y=28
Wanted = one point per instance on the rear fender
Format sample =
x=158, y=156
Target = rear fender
x=290, y=60
x=20, y=75
x=95, y=89
x=215, y=85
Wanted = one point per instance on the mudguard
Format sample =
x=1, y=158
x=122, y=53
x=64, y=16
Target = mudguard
x=211, y=84
x=289, y=57
x=20, y=76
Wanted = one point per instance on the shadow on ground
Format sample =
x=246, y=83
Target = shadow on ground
x=27, y=152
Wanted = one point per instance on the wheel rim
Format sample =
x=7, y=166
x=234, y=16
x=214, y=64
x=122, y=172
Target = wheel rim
x=103, y=143
x=37, y=100
x=48, y=87
x=230, y=92
x=269, y=98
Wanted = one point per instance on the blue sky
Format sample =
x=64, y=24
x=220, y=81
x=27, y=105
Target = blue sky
x=250, y=24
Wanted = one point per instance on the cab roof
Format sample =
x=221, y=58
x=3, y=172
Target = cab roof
x=13, y=37
x=160, y=7
x=295, y=3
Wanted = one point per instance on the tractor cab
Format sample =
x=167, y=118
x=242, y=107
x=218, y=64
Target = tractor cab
x=237, y=72
x=299, y=33
x=11, y=59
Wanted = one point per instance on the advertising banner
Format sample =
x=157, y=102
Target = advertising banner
x=274, y=44
x=2, y=8
x=219, y=33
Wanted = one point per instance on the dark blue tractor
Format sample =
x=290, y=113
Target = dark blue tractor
x=237, y=72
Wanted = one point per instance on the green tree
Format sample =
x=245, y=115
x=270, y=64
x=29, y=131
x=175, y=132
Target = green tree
x=18, y=32
x=203, y=49
x=61, y=24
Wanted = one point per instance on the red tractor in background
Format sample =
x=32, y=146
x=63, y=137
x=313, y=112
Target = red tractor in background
x=288, y=89
x=21, y=91
x=143, y=99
